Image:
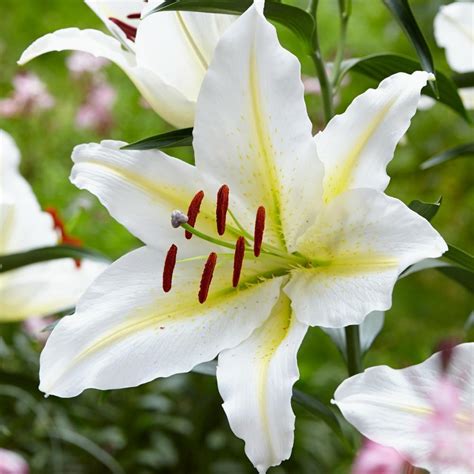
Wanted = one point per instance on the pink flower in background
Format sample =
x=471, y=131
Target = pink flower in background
x=96, y=112
x=12, y=463
x=311, y=85
x=373, y=458
x=80, y=63
x=34, y=327
x=29, y=96
x=425, y=412
x=450, y=445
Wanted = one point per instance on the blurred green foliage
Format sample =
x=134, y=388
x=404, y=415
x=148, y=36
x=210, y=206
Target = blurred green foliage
x=177, y=425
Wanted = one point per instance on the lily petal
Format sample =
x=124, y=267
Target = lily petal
x=9, y=156
x=356, y=146
x=24, y=225
x=453, y=31
x=252, y=131
x=390, y=406
x=140, y=189
x=45, y=288
x=366, y=239
x=165, y=99
x=38, y=289
x=183, y=46
x=127, y=331
x=255, y=380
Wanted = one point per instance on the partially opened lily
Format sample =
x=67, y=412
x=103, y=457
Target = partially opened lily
x=425, y=412
x=166, y=55
x=278, y=243
x=42, y=288
x=454, y=31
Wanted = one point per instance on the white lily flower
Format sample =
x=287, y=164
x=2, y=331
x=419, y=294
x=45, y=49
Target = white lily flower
x=425, y=412
x=165, y=55
x=42, y=288
x=454, y=31
x=299, y=247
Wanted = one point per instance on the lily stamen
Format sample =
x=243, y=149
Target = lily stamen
x=168, y=268
x=134, y=16
x=206, y=278
x=193, y=211
x=221, y=208
x=259, y=228
x=130, y=31
x=238, y=260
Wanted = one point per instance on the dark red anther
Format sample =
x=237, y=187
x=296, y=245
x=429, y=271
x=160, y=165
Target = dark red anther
x=170, y=262
x=221, y=208
x=193, y=211
x=130, y=31
x=238, y=260
x=134, y=16
x=258, y=233
x=206, y=277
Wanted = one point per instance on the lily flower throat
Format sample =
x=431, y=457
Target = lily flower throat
x=250, y=245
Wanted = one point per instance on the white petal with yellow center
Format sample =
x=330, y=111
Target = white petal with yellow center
x=357, y=145
x=367, y=240
x=256, y=379
x=140, y=189
x=252, y=130
x=126, y=331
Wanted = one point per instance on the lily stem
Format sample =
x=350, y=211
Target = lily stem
x=353, y=350
x=344, y=14
x=326, y=89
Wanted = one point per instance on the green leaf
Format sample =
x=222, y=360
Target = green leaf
x=176, y=138
x=465, y=79
x=467, y=149
x=18, y=260
x=459, y=275
x=460, y=257
x=425, y=209
x=401, y=10
x=380, y=66
x=297, y=20
x=72, y=437
x=317, y=408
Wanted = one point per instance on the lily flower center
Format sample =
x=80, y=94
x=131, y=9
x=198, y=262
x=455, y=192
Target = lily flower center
x=247, y=244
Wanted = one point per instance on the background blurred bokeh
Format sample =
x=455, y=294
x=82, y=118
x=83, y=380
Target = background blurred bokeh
x=177, y=425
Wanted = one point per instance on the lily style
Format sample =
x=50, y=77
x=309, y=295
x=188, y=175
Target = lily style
x=425, y=412
x=272, y=230
x=453, y=30
x=165, y=55
x=40, y=289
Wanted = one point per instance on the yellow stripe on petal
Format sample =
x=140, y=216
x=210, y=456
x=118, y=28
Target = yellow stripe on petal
x=341, y=177
x=265, y=150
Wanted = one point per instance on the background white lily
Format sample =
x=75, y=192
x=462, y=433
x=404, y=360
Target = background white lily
x=454, y=31
x=165, y=55
x=333, y=243
x=423, y=411
x=43, y=288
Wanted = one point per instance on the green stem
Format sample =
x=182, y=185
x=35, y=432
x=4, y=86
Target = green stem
x=326, y=89
x=354, y=353
x=344, y=14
